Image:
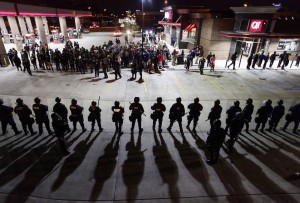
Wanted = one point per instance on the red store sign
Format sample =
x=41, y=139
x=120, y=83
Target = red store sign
x=256, y=25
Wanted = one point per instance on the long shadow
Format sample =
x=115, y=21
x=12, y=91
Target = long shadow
x=13, y=142
x=287, y=139
x=96, y=80
x=106, y=165
x=74, y=160
x=14, y=154
x=258, y=178
x=140, y=81
x=166, y=166
x=273, y=159
x=110, y=81
x=133, y=167
x=7, y=138
x=193, y=162
x=266, y=147
x=37, y=173
x=86, y=78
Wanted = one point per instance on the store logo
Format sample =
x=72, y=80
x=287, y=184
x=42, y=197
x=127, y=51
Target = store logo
x=256, y=25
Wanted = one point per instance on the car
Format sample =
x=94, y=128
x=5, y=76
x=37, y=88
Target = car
x=117, y=34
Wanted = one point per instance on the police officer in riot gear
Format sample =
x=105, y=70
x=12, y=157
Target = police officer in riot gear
x=195, y=111
x=76, y=115
x=215, y=139
x=248, y=110
x=235, y=129
x=231, y=113
x=59, y=126
x=158, y=113
x=263, y=115
x=177, y=111
x=61, y=110
x=136, y=114
x=215, y=112
x=6, y=117
x=41, y=116
x=24, y=114
x=95, y=115
x=294, y=116
x=276, y=115
x=117, y=117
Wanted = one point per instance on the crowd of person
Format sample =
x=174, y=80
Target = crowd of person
x=237, y=119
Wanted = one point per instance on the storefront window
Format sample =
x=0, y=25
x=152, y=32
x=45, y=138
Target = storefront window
x=193, y=33
x=185, y=34
x=287, y=45
x=244, y=25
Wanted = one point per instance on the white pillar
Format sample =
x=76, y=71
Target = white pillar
x=4, y=31
x=77, y=23
x=15, y=32
x=46, y=28
x=3, y=54
x=41, y=30
x=29, y=24
x=22, y=25
x=63, y=27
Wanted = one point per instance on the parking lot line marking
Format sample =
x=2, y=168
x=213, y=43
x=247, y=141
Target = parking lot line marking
x=107, y=87
x=178, y=82
x=214, y=84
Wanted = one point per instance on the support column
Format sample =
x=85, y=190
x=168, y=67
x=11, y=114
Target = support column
x=77, y=25
x=3, y=54
x=22, y=25
x=29, y=24
x=41, y=30
x=4, y=31
x=46, y=28
x=15, y=32
x=63, y=27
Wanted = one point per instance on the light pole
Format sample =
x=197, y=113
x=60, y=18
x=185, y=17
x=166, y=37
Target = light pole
x=142, y=28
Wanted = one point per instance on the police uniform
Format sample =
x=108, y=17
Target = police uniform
x=158, y=114
x=294, y=117
x=117, y=117
x=263, y=115
x=59, y=126
x=24, y=115
x=40, y=111
x=195, y=109
x=6, y=117
x=136, y=113
x=76, y=115
x=235, y=129
x=231, y=112
x=276, y=115
x=215, y=112
x=177, y=111
x=95, y=116
x=62, y=111
x=248, y=110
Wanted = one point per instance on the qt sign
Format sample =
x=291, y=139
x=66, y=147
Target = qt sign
x=256, y=25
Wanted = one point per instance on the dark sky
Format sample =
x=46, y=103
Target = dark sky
x=121, y=5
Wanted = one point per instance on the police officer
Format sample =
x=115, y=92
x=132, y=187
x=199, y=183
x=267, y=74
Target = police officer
x=233, y=59
x=231, y=113
x=96, y=67
x=117, y=116
x=215, y=139
x=136, y=114
x=41, y=116
x=177, y=111
x=263, y=114
x=6, y=117
x=194, y=113
x=24, y=114
x=294, y=116
x=95, y=116
x=236, y=127
x=272, y=59
x=248, y=110
x=276, y=115
x=215, y=112
x=61, y=110
x=76, y=115
x=59, y=126
x=158, y=113
x=117, y=70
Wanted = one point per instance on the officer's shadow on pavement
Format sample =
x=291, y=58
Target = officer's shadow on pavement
x=166, y=166
x=96, y=79
x=133, y=167
x=86, y=78
x=110, y=81
x=105, y=167
x=194, y=163
x=140, y=81
x=74, y=160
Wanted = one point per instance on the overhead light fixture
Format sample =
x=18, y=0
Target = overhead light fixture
x=293, y=18
x=286, y=18
x=276, y=4
x=245, y=5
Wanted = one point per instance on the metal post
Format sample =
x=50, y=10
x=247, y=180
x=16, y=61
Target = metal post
x=142, y=28
x=227, y=60
x=241, y=58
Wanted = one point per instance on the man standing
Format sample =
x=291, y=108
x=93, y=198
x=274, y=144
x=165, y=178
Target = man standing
x=266, y=59
x=177, y=111
x=117, y=117
x=272, y=59
x=255, y=59
x=294, y=116
x=136, y=114
x=41, y=116
x=59, y=126
x=24, y=114
x=95, y=115
x=215, y=113
x=158, y=113
x=233, y=59
x=248, y=110
x=117, y=69
x=61, y=110
x=6, y=117
x=11, y=57
x=236, y=127
x=249, y=61
x=195, y=111
x=231, y=112
x=208, y=59
x=76, y=115
x=263, y=115
x=276, y=115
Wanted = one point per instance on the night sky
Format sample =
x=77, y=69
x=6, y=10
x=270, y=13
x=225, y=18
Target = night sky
x=153, y=5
